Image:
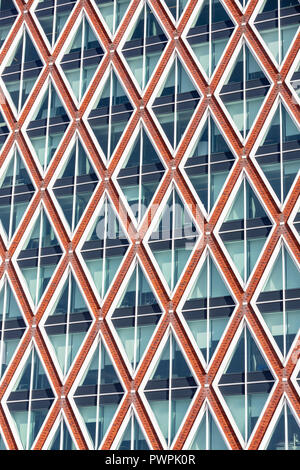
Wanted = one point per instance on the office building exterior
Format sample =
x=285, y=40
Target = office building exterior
x=150, y=224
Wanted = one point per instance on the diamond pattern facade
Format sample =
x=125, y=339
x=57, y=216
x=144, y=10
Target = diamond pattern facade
x=149, y=235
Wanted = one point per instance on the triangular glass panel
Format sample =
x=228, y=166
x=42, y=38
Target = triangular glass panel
x=136, y=316
x=62, y=439
x=8, y=14
x=208, y=308
x=75, y=184
x=144, y=45
x=210, y=33
x=245, y=89
x=30, y=400
x=133, y=437
x=140, y=174
x=12, y=326
x=53, y=17
x=243, y=3
x=297, y=221
x=105, y=248
x=277, y=23
x=173, y=239
x=246, y=383
x=113, y=12
x=47, y=125
x=208, y=435
x=170, y=389
x=176, y=102
x=68, y=323
x=81, y=59
x=110, y=114
x=278, y=301
x=176, y=7
x=209, y=164
x=245, y=229
x=4, y=130
x=22, y=69
x=295, y=80
x=16, y=192
x=98, y=395
x=2, y=443
x=278, y=153
x=39, y=257
x=286, y=433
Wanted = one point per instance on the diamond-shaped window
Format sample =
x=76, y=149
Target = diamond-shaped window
x=210, y=33
x=8, y=14
x=136, y=316
x=110, y=114
x=209, y=163
x=144, y=45
x=278, y=301
x=22, y=69
x=12, y=325
x=286, y=433
x=16, y=192
x=75, y=184
x=112, y=12
x=208, y=308
x=246, y=383
x=62, y=439
x=30, y=399
x=81, y=58
x=170, y=389
x=277, y=23
x=105, y=247
x=173, y=238
x=133, y=437
x=98, y=395
x=68, y=323
x=39, y=256
x=140, y=174
x=176, y=7
x=53, y=16
x=245, y=89
x=208, y=436
x=47, y=125
x=245, y=229
x=278, y=153
x=176, y=102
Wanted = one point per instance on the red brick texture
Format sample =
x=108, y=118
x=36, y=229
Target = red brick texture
x=207, y=226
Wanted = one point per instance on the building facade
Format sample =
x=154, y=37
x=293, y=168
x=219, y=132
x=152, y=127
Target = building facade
x=150, y=224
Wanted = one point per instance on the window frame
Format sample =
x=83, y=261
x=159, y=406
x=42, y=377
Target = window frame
x=243, y=40
x=154, y=361
x=192, y=19
x=32, y=346
x=155, y=220
x=207, y=252
x=244, y=323
x=243, y=175
x=137, y=262
x=99, y=341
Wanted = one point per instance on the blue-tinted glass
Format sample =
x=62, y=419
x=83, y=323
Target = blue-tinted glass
x=99, y=395
x=68, y=323
x=23, y=68
x=53, y=16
